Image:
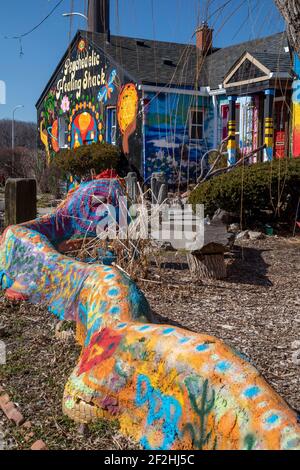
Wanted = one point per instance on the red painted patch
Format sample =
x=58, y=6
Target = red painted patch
x=102, y=346
x=11, y=294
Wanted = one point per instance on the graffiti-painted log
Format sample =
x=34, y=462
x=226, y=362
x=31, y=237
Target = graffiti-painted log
x=20, y=200
x=169, y=388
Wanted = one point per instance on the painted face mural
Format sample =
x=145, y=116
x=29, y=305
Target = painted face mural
x=127, y=113
x=84, y=130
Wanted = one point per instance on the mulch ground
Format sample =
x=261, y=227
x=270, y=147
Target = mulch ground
x=256, y=310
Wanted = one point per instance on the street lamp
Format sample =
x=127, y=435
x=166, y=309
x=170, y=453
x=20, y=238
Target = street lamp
x=75, y=13
x=13, y=132
x=13, y=125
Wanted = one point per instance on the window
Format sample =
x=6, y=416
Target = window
x=196, y=124
x=62, y=132
x=111, y=126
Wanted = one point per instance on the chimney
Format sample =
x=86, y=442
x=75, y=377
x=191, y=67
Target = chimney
x=204, y=39
x=99, y=17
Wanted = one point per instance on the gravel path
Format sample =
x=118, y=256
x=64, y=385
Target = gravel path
x=256, y=310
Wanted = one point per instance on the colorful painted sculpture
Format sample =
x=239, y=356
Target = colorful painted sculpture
x=168, y=387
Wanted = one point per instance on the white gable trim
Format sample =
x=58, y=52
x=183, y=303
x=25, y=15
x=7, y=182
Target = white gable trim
x=255, y=62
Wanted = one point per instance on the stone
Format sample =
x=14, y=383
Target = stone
x=256, y=235
x=234, y=228
x=39, y=445
x=12, y=413
x=244, y=235
x=4, y=399
x=27, y=425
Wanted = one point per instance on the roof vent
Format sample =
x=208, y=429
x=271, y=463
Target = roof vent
x=167, y=61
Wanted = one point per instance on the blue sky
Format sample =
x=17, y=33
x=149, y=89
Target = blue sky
x=173, y=20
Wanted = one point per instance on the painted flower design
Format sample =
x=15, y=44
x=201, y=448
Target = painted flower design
x=65, y=104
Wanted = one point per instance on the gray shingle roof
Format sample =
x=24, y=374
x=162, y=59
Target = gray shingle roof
x=144, y=59
x=269, y=51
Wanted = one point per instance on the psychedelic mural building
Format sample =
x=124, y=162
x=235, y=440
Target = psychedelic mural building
x=88, y=100
x=166, y=104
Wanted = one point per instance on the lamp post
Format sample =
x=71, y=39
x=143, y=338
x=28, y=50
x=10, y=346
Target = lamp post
x=75, y=13
x=13, y=132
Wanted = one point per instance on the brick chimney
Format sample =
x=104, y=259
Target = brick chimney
x=99, y=17
x=204, y=39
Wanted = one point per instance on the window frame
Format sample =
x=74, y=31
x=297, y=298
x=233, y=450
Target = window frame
x=197, y=126
x=111, y=129
x=66, y=132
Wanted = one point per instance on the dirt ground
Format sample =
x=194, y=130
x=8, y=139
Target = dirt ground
x=256, y=310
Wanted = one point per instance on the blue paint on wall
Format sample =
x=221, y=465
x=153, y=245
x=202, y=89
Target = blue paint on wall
x=167, y=143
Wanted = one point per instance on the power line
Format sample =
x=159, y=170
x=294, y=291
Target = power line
x=38, y=25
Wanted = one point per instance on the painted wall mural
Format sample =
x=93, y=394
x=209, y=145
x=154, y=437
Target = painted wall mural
x=73, y=110
x=296, y=109
x=168, y=146
x=169, y=388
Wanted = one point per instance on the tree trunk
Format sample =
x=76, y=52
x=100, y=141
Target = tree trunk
x=290, y=10
x=207, y=266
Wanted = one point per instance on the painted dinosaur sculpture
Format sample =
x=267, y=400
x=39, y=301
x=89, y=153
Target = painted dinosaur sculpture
x=169, y=388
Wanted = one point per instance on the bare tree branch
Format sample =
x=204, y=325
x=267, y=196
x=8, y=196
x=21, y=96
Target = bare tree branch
x=290, y=10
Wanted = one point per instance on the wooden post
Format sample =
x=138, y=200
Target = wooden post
x=20, y=200
x=208, y=263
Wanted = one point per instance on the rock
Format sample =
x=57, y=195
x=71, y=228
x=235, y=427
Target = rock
x=27, y=425
x=234, y=228
x=10, y=410
x=244, y=235
x=256, y=235
x=83, y=430
x=39, y=445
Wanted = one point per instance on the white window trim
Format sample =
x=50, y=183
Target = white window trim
x=66, y=132
x=109, y=108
